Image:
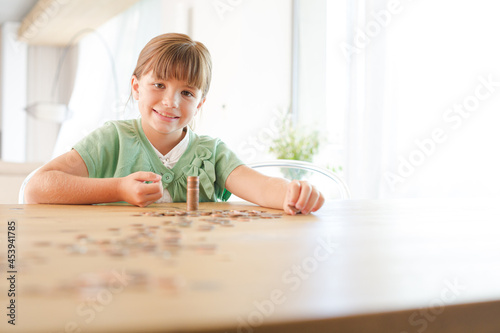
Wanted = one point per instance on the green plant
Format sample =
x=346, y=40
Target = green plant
x=295, y=143
x=332, y=168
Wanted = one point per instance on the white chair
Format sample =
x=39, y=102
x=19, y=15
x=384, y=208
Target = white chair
x=23, y=186
x=333, y=188
x=12, y=175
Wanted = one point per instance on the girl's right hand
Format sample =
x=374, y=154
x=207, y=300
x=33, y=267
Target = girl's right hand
x=141, y=188
x=301, y=196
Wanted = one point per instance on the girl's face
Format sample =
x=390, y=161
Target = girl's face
x=166, y=106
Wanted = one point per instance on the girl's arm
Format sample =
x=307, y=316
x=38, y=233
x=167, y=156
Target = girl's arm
x=65, y=180
x=273, y=192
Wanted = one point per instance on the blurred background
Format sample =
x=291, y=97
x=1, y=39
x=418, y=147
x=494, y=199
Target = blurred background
x=400, y=98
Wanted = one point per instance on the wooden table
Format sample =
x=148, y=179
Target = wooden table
x=355, y=266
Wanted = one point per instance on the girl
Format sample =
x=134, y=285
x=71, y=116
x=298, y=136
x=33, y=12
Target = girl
x=147, y=160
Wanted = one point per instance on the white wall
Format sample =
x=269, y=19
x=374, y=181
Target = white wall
x=13, y=58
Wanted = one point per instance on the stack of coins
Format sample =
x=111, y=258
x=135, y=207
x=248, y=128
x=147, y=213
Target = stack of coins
x=193, y=193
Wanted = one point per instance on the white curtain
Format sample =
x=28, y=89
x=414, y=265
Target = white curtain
x=424, y=86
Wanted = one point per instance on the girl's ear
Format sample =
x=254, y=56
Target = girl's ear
x=198, y=108
x=135, y=87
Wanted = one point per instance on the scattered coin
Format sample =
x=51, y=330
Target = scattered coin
x=206, y=227
x=294, y=209
x=185, y=224
x=42, y=243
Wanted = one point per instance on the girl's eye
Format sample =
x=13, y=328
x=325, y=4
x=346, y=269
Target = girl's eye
x=187, y=93
x=159, y=85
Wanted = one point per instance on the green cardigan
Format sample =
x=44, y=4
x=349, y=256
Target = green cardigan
x=120, y=148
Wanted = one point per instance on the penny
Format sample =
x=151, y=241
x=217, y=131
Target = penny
x=158, y=214
x=185, y=224
x=171, y=240
x=254, y=213
x=82, y=238
x=267, y=216
x=294, y=209
x=76, y=249
x=235, y=213
x=138, y=278
x=149, y=247
x=173, y=231
x=206, y=227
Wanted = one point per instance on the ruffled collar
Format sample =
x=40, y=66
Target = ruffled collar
x=173, y=156
x=204, y=168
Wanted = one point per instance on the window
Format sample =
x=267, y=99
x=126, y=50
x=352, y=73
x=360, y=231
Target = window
x=424, y=87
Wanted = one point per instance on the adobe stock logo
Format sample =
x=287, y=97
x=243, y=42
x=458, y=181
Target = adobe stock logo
x=419, y=320
x=99, y=297
x=453, y=118
x=293, y=278
x=43, y=17
x=224, y=6
x=378, y=21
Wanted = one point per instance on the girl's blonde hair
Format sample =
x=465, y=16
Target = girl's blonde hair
x=176, y=56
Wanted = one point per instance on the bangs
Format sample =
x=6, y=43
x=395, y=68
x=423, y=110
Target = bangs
x=183, y=62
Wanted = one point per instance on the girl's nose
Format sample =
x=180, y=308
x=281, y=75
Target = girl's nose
x=170, y=100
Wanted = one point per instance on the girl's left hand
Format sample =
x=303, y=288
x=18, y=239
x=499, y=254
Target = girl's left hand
x=302, y=197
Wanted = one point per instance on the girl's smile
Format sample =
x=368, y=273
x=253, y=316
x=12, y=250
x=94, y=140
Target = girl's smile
x=166, y=116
